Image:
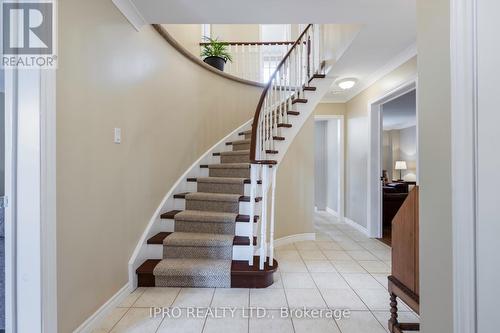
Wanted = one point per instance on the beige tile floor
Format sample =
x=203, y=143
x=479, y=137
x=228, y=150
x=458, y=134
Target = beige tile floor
x=341, y=269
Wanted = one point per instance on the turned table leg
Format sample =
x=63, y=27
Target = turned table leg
x=393, y=322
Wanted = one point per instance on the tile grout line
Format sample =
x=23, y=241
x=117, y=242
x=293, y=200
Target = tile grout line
x=370, y=310
x=128, y=309
x=173, y=301
x=319, y=290
x=206, y=316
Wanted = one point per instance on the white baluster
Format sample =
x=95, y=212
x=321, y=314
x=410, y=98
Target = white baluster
x=273, y=205
x=236, y=59
x=263, y=224
x=253, y=188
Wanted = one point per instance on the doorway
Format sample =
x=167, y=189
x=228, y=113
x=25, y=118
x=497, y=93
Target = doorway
x=393, y=162
x=329, y=164
x=399, y=156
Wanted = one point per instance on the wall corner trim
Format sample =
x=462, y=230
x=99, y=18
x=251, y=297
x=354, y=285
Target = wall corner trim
x=97, y=317
x=294, y=238
x=464, y=150
x=131, y=13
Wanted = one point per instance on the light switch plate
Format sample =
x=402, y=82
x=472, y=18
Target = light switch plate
x=118, y=135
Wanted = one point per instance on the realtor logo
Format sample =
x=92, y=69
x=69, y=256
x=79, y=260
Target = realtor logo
x=28, y=34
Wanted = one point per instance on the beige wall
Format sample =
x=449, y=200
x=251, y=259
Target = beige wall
x=188, y=35
x=236, y=32
x=295, y=185
x=325, y=109
x=170, y=111
x=433, y=42
x=357, y=139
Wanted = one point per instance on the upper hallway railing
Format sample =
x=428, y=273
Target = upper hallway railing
x=255, y=61
x=197, y=60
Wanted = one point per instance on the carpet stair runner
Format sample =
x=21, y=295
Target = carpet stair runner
x=199, y=252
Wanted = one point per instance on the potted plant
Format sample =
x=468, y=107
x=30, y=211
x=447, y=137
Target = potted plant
x=215, y=53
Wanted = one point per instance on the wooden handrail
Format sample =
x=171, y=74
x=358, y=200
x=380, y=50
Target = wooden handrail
x=253, y=43
x=255, y=124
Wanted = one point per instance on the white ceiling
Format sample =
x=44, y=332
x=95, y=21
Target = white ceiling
x=400, y=112
x=386, y=39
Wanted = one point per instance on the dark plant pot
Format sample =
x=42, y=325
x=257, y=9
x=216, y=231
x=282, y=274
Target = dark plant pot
x=216, y=62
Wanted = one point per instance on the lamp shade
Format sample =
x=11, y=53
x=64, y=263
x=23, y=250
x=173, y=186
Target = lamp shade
x=400, y=165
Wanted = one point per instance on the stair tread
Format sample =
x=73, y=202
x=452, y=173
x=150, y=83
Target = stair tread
x=317, y=76
x=245, y=180
x=239, y=218
x=241, y=267
x=299, y=100
x=158, y=238
x=269, y=162
x=238, y=267
x=170, y=214
x=235, y=152
x=242, y=274
x=221, y=180
x=242, y=198
x=191, y=239
x=229, y=166
x=238, y=142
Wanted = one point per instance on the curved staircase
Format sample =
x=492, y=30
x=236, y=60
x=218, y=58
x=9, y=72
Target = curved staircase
x=223, y=233
x=199, y=253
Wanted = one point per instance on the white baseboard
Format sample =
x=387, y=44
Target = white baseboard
x=294, y=238
x=347, y=220
x=331, y=211
x=356, y=226
x=97, y=317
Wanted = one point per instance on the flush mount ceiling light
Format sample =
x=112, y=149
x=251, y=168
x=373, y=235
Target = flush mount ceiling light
x=346, y=84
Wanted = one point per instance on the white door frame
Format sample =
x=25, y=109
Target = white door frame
x=30, y=217
x=374, y=190
x=341, y=161
x=464, y=114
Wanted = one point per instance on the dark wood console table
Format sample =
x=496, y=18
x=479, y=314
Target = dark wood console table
x=404, y=279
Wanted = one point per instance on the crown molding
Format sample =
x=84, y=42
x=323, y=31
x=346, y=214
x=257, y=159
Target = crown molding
x=397, y=61
x=131, y=13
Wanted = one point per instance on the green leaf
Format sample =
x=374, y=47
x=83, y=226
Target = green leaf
x=215, y=48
